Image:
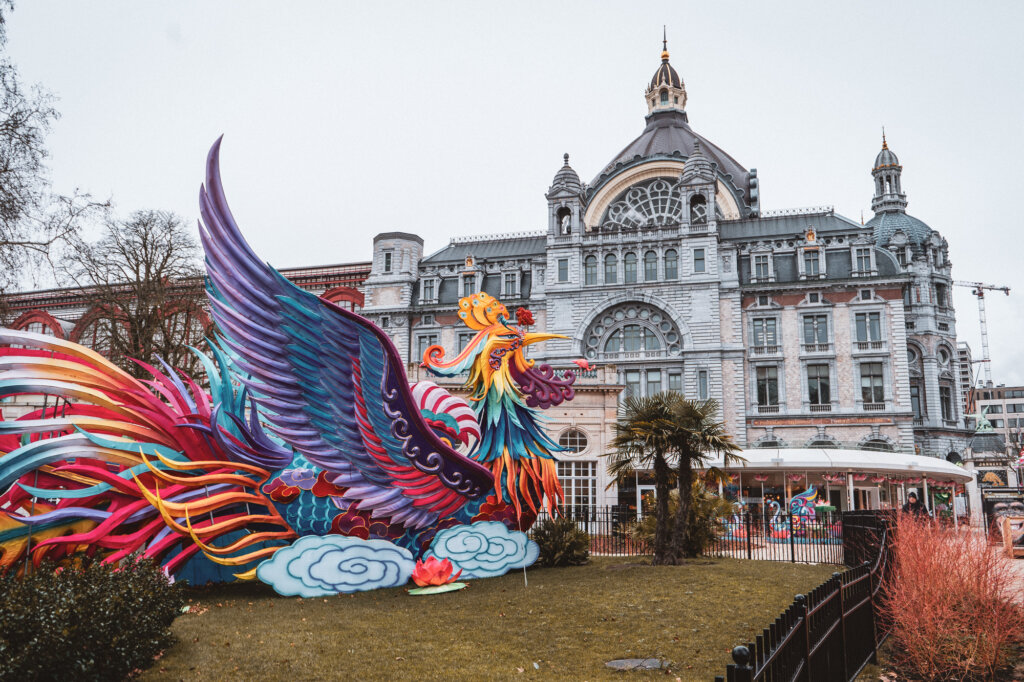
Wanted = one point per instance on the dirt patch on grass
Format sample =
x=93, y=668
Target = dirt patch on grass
x=565, y=625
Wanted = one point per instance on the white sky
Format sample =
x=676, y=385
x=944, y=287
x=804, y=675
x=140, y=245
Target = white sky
x=345, y=119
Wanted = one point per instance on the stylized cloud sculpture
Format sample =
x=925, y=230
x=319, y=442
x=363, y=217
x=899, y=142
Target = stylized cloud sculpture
x=315, y=566
x=484, y=549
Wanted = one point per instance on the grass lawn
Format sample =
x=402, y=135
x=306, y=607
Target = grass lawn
x=565, y=625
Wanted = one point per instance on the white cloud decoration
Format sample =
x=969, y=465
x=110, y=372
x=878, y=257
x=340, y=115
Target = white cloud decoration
x=485, y=549
x=316, y=566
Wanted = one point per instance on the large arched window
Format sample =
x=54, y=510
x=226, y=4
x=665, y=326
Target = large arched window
x=650, y=266
x=629, y=268
x=590, y=270
x=632, y=331
x=611, y=266
x=650, y=204
x=671, y=264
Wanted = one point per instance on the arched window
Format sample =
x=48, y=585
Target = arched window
x=590, y=270
x=664, y=96
x=877, y=444
x=826, y=444
x=573, y=440
x=650, y=266
x=629, y=268
x=611, y=264
x=671, y=264
x=698, y=209
x=768, y=444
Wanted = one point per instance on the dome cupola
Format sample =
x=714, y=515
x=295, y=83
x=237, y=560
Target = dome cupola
x=666, y=90
x=566, y=178
x=889, y=194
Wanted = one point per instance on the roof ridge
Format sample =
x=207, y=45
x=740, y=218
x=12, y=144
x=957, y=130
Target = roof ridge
x=473, y=239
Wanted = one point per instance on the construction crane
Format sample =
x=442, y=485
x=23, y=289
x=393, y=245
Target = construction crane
x=979, y=289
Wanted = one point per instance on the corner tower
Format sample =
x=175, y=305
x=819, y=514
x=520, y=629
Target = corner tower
x=889, y=194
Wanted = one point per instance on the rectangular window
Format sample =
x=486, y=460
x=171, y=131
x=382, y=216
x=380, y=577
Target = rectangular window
x=468, y=285
x=811, y=264
x=1015, y=407
x=464, y=339
x=388, y=256
x=671, y=264
x=590, y=270
x=675, y=382
x=511, y=284
x=702, y=384
x=610, y=268
x=871, y=383
x=761, y=269
x=650, y=266
x=629, y=268
x=632, y=382
x=815, y=329
x=915, y=400
x=698, y=260
x=423, y=342
x=428, y=319
x=579, y=485
x=818, y=388
x=869, y=326
x=946, y=402
x=385, y=322
x=563, y=269
x=996, y=409
x=653, y=381
x=765, y=331
x=940, y=295
x=996, y=423
x=901, y=257
x=767, y=385
x=428, y=290
x=862, y=260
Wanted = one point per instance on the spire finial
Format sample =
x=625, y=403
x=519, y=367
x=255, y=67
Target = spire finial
x=885, y=145
x=566, y=157
x=664, y=43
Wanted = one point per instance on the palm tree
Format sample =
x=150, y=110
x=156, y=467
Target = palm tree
x=643, y=440
x=696, y=435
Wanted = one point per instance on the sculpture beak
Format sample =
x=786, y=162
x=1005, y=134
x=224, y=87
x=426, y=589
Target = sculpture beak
x=537, y=337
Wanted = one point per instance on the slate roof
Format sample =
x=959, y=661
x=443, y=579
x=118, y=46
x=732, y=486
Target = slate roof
x=498, y=248
x=886, y=223
x=795, y=224
x=668, y=133
x=987, y=441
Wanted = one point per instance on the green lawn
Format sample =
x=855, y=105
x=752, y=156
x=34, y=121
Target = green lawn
x=568, y=621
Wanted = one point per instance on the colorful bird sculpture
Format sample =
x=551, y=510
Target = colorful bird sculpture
x=310, y=444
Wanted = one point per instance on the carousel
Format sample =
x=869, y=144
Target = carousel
x=845, y=479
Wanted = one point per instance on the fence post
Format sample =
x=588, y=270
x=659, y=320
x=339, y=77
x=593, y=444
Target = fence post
x=838, y=578
x=874, y=614
x=741, y=672
x=801, y=612
x=792, y=532
x=746, y=517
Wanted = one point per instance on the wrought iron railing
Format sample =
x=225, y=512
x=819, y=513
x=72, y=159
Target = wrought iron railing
x=781, y=537
x=832, y=632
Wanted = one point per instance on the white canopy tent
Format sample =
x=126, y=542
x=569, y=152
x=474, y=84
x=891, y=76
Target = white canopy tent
x=823, y=460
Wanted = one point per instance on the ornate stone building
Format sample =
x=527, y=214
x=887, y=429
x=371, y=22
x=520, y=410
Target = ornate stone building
x=810, y=329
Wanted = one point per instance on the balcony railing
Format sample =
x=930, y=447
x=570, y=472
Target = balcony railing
x=817, y=347
x=773, y=349
x=767, y=409
x=874, y=407
x=868, y=345
x=827, y=407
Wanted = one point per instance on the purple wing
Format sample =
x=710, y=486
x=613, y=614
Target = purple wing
x=328, y=382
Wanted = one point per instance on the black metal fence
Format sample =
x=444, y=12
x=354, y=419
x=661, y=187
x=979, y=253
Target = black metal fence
x=835, y=630
x=610, y=529
x=781, y=537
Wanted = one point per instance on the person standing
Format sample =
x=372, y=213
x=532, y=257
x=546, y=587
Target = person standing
x=915, y=506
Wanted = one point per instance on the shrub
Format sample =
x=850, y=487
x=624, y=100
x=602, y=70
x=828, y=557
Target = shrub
x=561, y=543
x=85, y=622
x=950, y=600
x=706, y=512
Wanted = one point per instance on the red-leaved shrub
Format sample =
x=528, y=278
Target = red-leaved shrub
x=953, y=602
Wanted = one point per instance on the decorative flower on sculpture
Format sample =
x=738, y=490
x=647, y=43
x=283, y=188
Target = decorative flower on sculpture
x=434, y=576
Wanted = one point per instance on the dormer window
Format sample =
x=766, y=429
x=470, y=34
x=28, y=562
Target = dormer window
x=468, y=285
x=664, y=96
x=511, y=281
x=812, y=263
x=429, y=290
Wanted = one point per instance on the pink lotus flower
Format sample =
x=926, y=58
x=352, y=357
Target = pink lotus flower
x=434, y=571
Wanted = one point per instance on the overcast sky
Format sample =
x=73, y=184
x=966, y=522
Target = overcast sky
x=345, y=119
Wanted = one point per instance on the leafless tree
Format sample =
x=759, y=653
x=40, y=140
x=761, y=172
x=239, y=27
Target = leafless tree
x=144, y=284
x=33, y=219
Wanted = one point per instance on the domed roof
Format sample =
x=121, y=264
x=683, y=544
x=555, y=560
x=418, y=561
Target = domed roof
x=885, y=224
x=987, y=441
x=566, y=178
x=886, y=158
x=669, y=134
x=665, y=75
